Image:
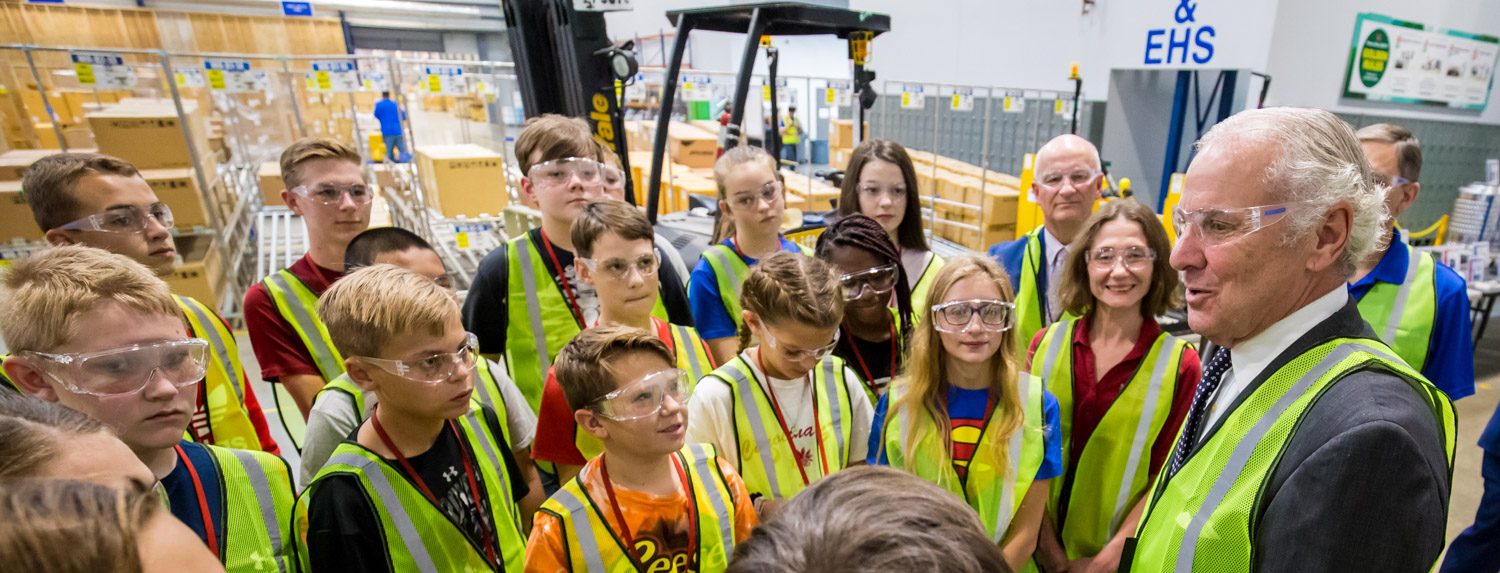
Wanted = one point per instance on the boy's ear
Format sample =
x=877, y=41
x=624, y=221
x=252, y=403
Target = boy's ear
x=585, y=273
x=528, y=191
x=358, y=374
x=591, y=422
x=29, y=379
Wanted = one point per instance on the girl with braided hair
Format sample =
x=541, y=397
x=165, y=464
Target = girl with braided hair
x=873, y=335
x=786, y=411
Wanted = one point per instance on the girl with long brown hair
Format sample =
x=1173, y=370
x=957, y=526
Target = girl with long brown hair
x=963, y=417
x=881, y=183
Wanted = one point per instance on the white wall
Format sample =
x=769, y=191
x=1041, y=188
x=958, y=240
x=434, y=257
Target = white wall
x=1310, y=51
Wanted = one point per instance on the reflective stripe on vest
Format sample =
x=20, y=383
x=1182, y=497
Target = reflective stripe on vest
x=1031, y=300
x=275, y=507
x=5, y=382
x=426, y=539
x=920, y=308
x=1207, y=507
x=593, y=545
x=995, y=492
x=691, y=357
x=299, y=307
x=1403, y=314
x=766, y=462
x=224, y=383
x=1113, y=469
x=537, y=331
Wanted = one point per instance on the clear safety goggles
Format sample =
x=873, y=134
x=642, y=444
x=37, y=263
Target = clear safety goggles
x=433, y=369
x=619, y=268
x=127, y=369
x=124, y=220
x=1134, y=258
x=328, y=194
x=1078, y=179
x=1218, y=226
x=644, y=397
x=591, y=173
x=878, y=280
x=767, y=193
x=801, y=354
x=960, y=316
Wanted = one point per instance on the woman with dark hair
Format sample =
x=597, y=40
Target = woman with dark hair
x=1125, y=385
x=869, y=267
x=880, y=183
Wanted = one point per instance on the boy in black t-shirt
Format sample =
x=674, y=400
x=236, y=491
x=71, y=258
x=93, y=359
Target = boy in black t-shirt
x=426, y=483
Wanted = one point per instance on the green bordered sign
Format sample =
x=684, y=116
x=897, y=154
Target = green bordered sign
x=1406, y=62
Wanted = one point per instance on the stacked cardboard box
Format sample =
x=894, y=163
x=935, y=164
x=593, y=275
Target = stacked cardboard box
x=976, y=207
x=841, y=141
x=462, y=179
x=16, y=222
x=808, y=194
x=200, y=272
x=148, y=133
x=692, y=146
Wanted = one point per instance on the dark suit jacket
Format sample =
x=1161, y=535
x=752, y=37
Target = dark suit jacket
x=1010, y=255
x=1363, y=483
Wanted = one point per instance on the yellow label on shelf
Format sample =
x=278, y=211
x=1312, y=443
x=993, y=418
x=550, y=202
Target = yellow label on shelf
x=434, y=83
x=216, y=79
x=462, y=239
x=1058, y=107
x=324, y=82
x=832, y=96
x=687, y=86
x=181, y=79
x=85, y=73
x=765, y=93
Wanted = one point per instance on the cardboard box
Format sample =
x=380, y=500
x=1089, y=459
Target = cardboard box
x=178, y=189
x=13, y=164
x=841, y=133
x=149, y=135
x=16, y=221
x=47, y=137
x=999, y=204
x=462, y=179
x=691, y=146
x=199, y=273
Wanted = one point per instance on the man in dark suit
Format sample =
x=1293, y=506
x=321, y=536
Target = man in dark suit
x=1066, y=186
x=1310, y=445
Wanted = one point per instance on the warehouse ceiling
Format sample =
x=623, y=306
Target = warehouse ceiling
x=436, y=15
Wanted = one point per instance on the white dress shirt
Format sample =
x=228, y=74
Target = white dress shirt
x=1249, y=358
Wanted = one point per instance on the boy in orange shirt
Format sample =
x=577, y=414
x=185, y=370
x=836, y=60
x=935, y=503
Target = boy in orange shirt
x=647, y=503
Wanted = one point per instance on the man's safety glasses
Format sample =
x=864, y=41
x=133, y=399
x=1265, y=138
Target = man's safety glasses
x=128, y=369
x=1218, y=226
x=124, y=220
x=433, y=369
x=643, y=398
x=359, y=194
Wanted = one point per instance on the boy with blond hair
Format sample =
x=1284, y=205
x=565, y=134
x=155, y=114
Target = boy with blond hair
x=426, y=482
x=527, y=299
x=647, y=503
x=326, y=187
x=614, y=241
x=99, y=333
x=104, y=202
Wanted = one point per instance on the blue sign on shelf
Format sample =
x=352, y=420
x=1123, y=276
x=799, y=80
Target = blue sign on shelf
x=296, y=8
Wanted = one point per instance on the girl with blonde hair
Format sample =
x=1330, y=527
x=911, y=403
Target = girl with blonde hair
x=962, y=416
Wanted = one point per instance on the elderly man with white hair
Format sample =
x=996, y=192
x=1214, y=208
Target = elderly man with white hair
x=1310, y=446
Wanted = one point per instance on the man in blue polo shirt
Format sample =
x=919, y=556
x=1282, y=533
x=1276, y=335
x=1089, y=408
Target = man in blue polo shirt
x=1418, y=307
x=390, y=117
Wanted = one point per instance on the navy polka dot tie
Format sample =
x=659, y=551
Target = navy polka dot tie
x=1212, y=375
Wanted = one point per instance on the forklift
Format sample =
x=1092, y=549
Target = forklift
x=567, y=65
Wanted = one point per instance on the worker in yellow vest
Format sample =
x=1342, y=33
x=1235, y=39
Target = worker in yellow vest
x=426, y=482
x=1418, y=307
x=103, y=202
x=527, y=299
x=1066, y=187
x=614, y=241
x=1303, y=420
x=326, y=187
x=649, y=501
x=791, y=136
x=99, y=333
x=961, y=416
x=342, y=405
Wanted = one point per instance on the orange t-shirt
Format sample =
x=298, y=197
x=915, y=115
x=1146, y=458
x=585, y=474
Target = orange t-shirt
x=659, y=523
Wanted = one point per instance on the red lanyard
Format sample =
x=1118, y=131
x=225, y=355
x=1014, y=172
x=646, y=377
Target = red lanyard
x=785, y=431
x=208, y=518
x=692, y=505
x=484, y=527
x=563, y=276
x=860, y=359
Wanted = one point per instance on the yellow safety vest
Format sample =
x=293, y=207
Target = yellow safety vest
x=417, y=535
x=793, y=133
x=692, y=357
x=919, y=306
x=486, y=393
x=730, y=271
x=1202, y=518
x=224, y=384
x=5, y=382
x=995, y=492
x=1403, y=314
x=1113, y=470
x=298, y=306
x=595, y=546
x=537, y=330
x=1031, y=298
x=765, y=458
x=257, y=506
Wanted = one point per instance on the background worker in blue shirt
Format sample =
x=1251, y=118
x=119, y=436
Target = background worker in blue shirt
x=1418, y=307
x=390, y=117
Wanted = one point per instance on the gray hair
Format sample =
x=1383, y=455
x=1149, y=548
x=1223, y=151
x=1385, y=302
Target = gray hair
x=1320, y=162
x=870, y=518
